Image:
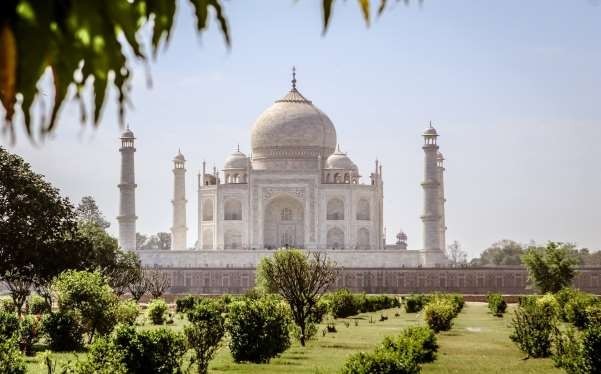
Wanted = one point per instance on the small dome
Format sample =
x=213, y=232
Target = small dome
x=179, y=157
x=127, y=134
x=430, y=131
x=237, y=160
x=340, y=160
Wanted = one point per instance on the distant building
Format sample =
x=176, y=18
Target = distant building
x=296, y=189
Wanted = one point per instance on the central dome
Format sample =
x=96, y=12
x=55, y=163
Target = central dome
x=292, y=134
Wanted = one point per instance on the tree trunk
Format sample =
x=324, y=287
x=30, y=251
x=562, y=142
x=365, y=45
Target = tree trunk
x=302, y=334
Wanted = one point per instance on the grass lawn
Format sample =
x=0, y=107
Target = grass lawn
x=478, y=343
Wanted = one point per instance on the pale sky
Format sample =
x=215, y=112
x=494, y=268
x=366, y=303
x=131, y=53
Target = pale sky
x=513, y=87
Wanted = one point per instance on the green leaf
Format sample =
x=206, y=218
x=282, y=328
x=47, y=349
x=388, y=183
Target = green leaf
x=327, y=13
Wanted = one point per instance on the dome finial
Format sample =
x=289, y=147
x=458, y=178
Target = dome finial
x=294, y=77
x=238, y=147
x=430, y=124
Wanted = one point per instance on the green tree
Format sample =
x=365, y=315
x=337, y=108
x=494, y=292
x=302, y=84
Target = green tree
x=38, y=231
x=88, y=212
x=300, y=278
x=552, y=268
x=503, y=252
x=456, y=254
x=157, y=282
x=125, y=271
x=89, y=295
x=164, y=240
x=83, y=43
x=141, y=240
x=206, y=329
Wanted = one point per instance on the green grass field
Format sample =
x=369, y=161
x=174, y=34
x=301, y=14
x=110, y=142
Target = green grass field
x=478, y=343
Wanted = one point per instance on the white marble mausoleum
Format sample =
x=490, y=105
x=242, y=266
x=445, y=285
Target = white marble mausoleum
x=296, y=188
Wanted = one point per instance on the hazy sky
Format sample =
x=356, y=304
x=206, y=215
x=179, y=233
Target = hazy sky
x=513, y=87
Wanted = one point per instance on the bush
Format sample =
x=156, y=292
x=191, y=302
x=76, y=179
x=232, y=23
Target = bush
x=38, y=305
x=89, y=295
x=29, y=333
x=457, y=300
x=343, y=303
x=418, y=342
x=593, y=315
x=103, y=357
x=563, y=296
x=204, y=334
x=548, y=305
x=439, y=314
x=415, y=303
x=381, y=362
x=533, y=328
x=156, y=311
x=528, y=300
x=591, y=349
x=9, y=325
x=378, y=302
x=496, y=304
x=575, y=309
x=11, y=359
x=568, y=351
x=126, y=312
x=185, y=304
x=259, y=329
x=149, y=351
x=7, y=305
x=63, y=331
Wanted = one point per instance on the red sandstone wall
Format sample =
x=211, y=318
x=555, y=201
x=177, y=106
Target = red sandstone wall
x=469, y=281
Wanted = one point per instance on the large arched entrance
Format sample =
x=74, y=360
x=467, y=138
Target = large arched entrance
x=284, y=223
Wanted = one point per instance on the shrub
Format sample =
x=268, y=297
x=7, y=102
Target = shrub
x=156, y=311
x=89, y=295
x=568, y=351
x=63, y=331
x=418, y=342
x=533, y=328
x=414, y=303
x=591, y=349
x=593, y=315
x=375, y=303
x=11, y=359
x=524, y=301
x=496, y=304
x=563, y=296
x=185, y=304
x=259, y=329
x=29, y=333
x=439, y=314
x=457, y=300
x=149, y=351
x=9, y=325
x=207, y=327
x=381, y=362
x=575, y=309
x=7, y=305
x=38, y=305
x=103, y=357
x=126, y=312
x=548, y=305
x=343, y=303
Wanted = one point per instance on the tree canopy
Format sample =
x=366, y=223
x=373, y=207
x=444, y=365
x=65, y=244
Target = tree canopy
x=88, y=212
x=38, y=231
x=552, y=268
x=300, y=278
x=87, y=43
x=503, y=252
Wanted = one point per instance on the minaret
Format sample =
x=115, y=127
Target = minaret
x=179, y=229
x=432, y=215
x=442, y=200
x=127, y=193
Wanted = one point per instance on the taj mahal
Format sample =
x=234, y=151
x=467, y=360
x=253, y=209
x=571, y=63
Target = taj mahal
x=296, y=188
